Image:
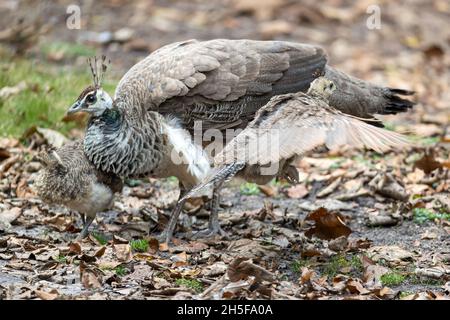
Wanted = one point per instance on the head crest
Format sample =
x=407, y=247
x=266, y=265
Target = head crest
x=98, y=69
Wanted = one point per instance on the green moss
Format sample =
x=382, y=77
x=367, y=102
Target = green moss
x=101, y=238
x=133, y=182
x=249, y=189
x=356, y=263
x=120, y=271
x=140, y=245
x=61, y=258
x=424, y=281
x=193, y=284
x=297, y=265
x=405, y=294
x=426, y=141
x=338, y=262
x=422, y=215
x=392, y=279
x=172, y=179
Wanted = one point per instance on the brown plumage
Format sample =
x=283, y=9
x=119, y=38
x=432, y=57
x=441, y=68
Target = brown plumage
x=220, y=84
x=286, y=128
x=69, y=179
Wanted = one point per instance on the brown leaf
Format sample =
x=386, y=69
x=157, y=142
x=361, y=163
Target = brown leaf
x=90, y=280
x=4, y=154
x=265, y=211
x=385, y=293
x=372, y=274
x=100, y=252
x=355, y=287
x=6, y=92
x=153, y=244
x=10, y=215
x=393, y=253
x=433, y=51
x=297, y=192
x=338, y=244
x=23, y=190
x=75, y=248
x=307, y=275
x=191, y=247
x=123, y=252
x=51, y=295
x=52, y=137
x=163, y=247
x=119, y=240
x=327, y=225
x=356, y=244
x=428, y=163
x=268, y=190
x=241, y=268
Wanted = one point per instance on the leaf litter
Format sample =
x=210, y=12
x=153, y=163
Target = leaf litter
x=355, y=221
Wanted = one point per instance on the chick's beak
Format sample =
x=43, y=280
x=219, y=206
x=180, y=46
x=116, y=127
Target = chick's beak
x=77, y=106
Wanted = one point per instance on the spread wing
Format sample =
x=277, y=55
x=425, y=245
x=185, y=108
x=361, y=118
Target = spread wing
x=220, y=82
x=293, y=124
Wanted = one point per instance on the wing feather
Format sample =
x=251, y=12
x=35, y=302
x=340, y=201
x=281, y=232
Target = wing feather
x=295, y=128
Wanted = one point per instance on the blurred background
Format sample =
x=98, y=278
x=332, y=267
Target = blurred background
x=44, y=45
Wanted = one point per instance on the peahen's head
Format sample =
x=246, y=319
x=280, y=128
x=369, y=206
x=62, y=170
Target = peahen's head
x=321, y=87
x=94, y=99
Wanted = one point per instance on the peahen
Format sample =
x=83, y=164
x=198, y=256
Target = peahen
x=199, y=86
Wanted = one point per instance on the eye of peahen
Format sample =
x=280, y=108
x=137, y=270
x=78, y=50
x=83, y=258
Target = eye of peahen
x=91, y=98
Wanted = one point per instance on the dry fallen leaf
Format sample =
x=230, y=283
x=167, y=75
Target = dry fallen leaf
x=428, y=163
x=241, y=268
x=52, y=137
x=9, y=216
x=268, y=190
x=75, y=248
x=338, y=244
x=393, y=254
x=90, y=280
x=100, y=252
x=44, y=295
x=6, y=92
x=327, y=225
x=4, y=154
x=123, y=252
x=297, y=192
x=372, y=273
x=356, y=287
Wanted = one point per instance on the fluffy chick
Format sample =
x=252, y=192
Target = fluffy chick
x=68, y=178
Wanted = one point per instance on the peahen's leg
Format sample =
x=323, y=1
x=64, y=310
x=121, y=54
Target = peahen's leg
x=87, y=222
x=166, y=235
x=214, y=224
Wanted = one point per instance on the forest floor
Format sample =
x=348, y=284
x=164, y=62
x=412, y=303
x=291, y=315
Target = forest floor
x=359, y=225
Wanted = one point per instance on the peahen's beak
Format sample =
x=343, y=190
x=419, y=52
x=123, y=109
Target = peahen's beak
x=77, y=106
